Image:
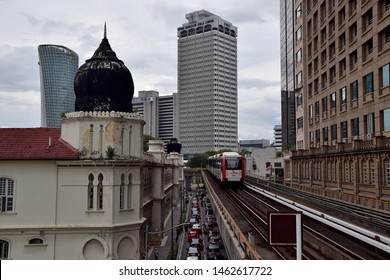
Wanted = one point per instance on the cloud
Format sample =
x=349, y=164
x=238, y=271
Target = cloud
x=20, y=109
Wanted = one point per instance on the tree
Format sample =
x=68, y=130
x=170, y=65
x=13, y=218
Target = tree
x=147, y=138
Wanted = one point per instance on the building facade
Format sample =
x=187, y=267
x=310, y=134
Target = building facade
x=207, y=83
x=159, y=113
x=343, y=88
x=87, y=190
x=57, y=66
x=287, y=73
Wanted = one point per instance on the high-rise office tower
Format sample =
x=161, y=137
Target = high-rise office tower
x=159, y=113
x=287, y=73
x=207, y=83
x=57, y=66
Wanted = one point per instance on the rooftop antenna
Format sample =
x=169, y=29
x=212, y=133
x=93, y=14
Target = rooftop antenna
x=105, y=31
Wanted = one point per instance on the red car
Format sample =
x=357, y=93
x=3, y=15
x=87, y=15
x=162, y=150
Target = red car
x=193, y=234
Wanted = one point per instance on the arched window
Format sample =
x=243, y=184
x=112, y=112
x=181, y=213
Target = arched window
x=90, y=191
x=35, y=241
x=129, y=191
x=4, y=249
x=100, y=192
x=6, y=194
x=122, y=192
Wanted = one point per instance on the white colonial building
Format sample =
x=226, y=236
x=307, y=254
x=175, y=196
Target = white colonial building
x=86, y=190
x=69, y=197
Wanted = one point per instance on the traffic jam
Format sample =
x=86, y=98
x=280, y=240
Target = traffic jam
x=203, y=241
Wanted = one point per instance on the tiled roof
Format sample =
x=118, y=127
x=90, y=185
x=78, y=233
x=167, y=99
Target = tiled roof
x=34, y=143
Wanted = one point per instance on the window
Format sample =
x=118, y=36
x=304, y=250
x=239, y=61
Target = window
x=386, y=119
x=318, y=136
x=130, y=192
x=387, y=172
x=354, y=90
x=317, y=108
x=333, y=129
x=90, y=191
x=100, y=192
x=325, y=104
x=35, y=241
x=299, y=34
x=333, y=100
x=300, y=122
x=122, y=192
x=372, y=171
x=385, y=75
x=325, y=134
x=369, y=122
x=355, y=127
x=298, y=11
x=299, y=100
x=344, y=129
x=311, y=137
x=299, y=78
x=299, y=55
x=6, y=194
x=4, y=249
x=352, y=32
x=310, y=111
x=368, y=81
x=343, y=96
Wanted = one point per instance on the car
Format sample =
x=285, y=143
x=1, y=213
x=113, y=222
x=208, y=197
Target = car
x=208, y=226
x=211, y=221
x=192, y=258
x=216, y=240
x=209, y=212
x=209, y=206
x=213, y=233
x=213, y=251
x=193, y=234
x=192, y=221
x=197, y=227
x=197, y=242
x=193, y=252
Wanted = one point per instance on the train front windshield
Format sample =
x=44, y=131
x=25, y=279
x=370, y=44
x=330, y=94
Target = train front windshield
x=233, y=164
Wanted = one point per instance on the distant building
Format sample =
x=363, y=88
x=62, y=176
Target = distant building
x=207, y=83
x=159, y=113
x=57, y=66
x=278, y=134
x=262, y=143
x=263, y=163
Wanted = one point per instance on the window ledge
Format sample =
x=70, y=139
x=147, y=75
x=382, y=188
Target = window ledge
x=94, y=211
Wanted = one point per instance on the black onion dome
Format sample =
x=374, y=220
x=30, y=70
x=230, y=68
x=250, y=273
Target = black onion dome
x=103, y=82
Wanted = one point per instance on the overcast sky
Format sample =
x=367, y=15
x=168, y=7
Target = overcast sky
x=143, y=35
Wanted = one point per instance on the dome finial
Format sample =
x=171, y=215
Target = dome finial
x=105, y=31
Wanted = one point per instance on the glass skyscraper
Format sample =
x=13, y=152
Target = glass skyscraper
x=57, y=66
x=287, y=73
x=207, y=83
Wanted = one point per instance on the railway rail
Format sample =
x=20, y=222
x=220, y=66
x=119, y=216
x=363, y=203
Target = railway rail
x=321, y=240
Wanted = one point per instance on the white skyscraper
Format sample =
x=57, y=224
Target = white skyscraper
x=207, y=83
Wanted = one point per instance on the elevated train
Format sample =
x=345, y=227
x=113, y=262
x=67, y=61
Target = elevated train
x=228, y=168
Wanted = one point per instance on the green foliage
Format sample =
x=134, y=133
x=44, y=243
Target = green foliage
x=62, y=115
x=279, y=154
x=110, y=152
x=147, y=138
x=200, y=160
